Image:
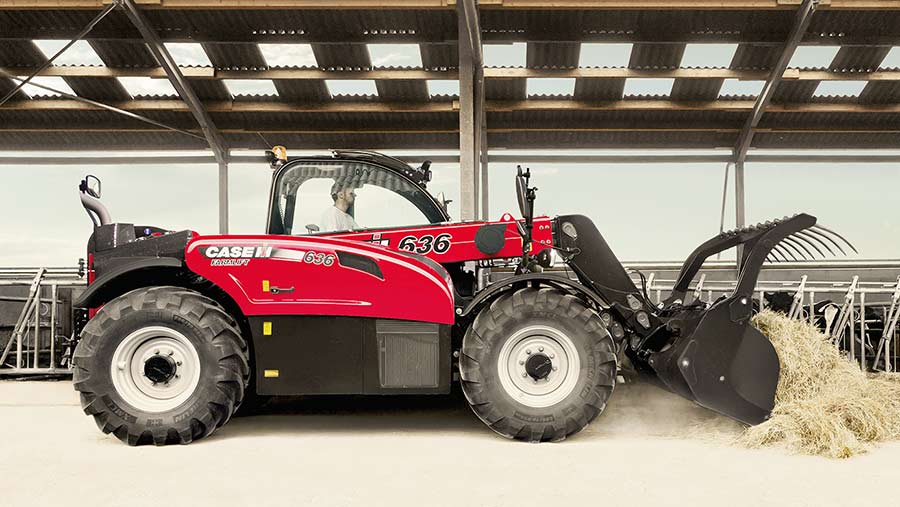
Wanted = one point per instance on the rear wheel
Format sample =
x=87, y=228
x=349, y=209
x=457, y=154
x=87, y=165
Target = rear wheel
x=537, y=365
x=161, y=365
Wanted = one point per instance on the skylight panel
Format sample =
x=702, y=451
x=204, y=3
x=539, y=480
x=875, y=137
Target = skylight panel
x=55, y=82
x=145, y=86
x=648, y=86
x=741, y=87
x=395, y=55
x=443, y=87
x=80, y=53
x=250, y=87
x=840, y=88
x=188, y=54
x=604, y=55
x=351, y=87
x=550, y=86
x=813, y=57
x=505, y=55
x=892, y=60
x=708, y=55
x=288, y=55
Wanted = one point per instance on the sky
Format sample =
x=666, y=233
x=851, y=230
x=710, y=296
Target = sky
x=645, y=211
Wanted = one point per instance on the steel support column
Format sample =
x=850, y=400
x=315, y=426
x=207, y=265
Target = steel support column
x=471, y=109
x=745, y=137
x=210, y=132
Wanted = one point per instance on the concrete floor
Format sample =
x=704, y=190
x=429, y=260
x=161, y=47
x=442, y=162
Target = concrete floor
x=649, y=448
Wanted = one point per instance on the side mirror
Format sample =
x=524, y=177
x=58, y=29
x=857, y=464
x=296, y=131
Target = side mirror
x=91, y=186
x=525, y=204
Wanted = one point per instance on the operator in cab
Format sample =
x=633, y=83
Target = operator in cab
x=336, y=217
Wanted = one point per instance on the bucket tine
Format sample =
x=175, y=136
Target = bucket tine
x=791, y=248
x=778, y=254
x=791, y=241
x=805, y=241
x=827, y=238
x=815, y=239
x=784, y=251
x=829, y=231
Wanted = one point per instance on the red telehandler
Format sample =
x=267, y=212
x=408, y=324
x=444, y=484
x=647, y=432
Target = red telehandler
x=184, y=326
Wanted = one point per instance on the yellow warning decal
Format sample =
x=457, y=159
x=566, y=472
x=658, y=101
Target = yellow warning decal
x=265, y=286
x=267, y=328
x=270, y=373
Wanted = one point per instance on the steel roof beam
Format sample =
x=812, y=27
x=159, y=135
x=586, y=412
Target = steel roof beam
x=247, y=106
x=211, y=73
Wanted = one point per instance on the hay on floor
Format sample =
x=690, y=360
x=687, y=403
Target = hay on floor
x=825, y=405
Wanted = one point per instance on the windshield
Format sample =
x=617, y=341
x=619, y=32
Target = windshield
x=333, y=196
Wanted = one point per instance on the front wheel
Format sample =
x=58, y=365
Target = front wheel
x=537, y=365
x=161, y=365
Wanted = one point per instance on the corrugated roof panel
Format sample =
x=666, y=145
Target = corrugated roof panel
x=696, y=89
x=210, y=89
x=755, y=56
x=505, y=89
x=656, y=56
x=402, y=90
x=794, y=91
x=552, y=55
x=98, y=88
x=315, y=121
x=7, y=85
x=124, y=53
x=20, y=53
x=856, y=25
x=294, y=90
x=439, y=56
x=827, y=140
x=615, y=119
x=235, y=56
x=881, y=92
x=576, y=139
x=342, y=57
x=859, y=58
x=825, y=121
x=599, y=89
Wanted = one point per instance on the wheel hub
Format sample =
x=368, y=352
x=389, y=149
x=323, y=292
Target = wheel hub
x=538, y=366
x=159, y=368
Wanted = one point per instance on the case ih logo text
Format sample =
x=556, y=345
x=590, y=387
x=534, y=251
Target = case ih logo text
x=235, y=255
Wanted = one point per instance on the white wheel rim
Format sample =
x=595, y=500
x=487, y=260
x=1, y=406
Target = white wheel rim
x=128, y=369
x=559, y=382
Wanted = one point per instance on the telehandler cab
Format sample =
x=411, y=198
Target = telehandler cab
x=184, y=326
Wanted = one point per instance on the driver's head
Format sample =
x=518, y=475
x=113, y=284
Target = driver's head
x=343, y=194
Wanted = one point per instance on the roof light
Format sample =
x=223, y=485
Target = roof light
x=80, y=53
x=505, y=55
x=288, y=55
x=813, y=57
x=604, y=55
x=892, y=60
x=840, y=88
x=708, y=55
x=55, y=82
x=239, y=87
x=187, y=54
x=740, y=87
x=443, y=87
x=550, y=86
x=145, y=86
x=351, y=87
x=648, y=86
x=395, y=55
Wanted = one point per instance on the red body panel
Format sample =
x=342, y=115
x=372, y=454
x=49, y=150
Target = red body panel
x=461, y=239
x=284, y=275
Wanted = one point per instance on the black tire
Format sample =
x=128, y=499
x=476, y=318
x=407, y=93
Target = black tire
x=479, y=369
x=223, y=366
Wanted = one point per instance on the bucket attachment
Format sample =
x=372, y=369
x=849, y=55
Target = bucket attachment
x=710, y=354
